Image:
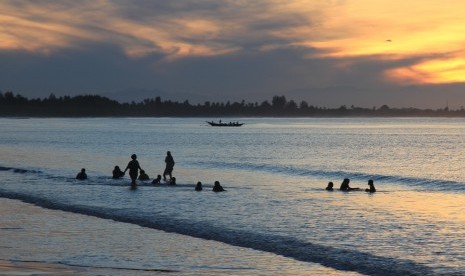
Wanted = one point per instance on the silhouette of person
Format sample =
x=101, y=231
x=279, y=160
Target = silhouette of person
x=143, y=176
x=173, y=181
x=157, y=180
x=82, y=175
x=372, y=187
x=133, y=167
x=169, y=165
x=117, y=173
x=198, y=187
x=217, y=187
x=345, y=186
x=330, y=186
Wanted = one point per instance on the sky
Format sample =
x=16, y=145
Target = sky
x=329, y=53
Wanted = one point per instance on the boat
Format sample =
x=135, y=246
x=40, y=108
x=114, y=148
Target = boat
x=230, y=124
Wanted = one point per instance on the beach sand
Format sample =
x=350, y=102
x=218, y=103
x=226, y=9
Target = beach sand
x=36, y=268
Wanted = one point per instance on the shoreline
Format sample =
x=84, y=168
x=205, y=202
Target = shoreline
x=37, y=268
x=38, y=241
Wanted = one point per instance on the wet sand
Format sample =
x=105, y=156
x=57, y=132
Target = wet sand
x=36, y=268
x=38, y=241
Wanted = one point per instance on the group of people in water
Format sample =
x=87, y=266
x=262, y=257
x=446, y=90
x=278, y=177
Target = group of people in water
x=134, y=169
x=345, y=186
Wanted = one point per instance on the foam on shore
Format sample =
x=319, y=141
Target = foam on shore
x=37, y=241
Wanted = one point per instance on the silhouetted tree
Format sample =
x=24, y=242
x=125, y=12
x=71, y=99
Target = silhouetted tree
x=279, y=102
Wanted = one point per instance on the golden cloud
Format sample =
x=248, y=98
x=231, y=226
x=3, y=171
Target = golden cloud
x=337, y=29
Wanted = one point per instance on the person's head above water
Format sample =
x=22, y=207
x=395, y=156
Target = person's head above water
x=370, y=182
x=83, y=170
x=168, y=153
x=133, y=157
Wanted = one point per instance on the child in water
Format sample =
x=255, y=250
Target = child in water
x=372, y=187
x=198, y=187
x=143, y=176
x=157, y=180
x=82, y=175
x=117, y=173
x=217, y=187
x=330, y=186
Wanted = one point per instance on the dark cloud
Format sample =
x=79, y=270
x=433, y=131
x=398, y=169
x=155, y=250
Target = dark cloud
x=197, y=50
x=248, y=75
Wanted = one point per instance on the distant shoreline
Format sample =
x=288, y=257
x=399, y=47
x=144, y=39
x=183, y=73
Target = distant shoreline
x=17, y=106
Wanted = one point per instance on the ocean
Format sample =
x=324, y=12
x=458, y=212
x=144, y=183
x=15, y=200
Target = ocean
x=275, y=218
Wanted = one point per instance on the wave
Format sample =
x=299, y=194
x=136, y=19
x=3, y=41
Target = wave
x=292, y=247
x=106, y=180
x=422, y=183
x=18, y=170
x=419, y=183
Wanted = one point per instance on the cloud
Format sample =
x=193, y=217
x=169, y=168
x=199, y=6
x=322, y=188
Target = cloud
x=174, y=28
x=234, y=49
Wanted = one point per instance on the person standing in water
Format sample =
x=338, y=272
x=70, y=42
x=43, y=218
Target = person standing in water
x=169, y=165
x=133, y=167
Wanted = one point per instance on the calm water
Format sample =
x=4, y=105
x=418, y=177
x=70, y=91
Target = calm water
x=274, y=171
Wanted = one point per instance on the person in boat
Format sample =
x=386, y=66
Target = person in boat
x=117, y=173
x=169, y=165
x=198, y=187
x=82, y=175
x=173, y=181
x=217, y=187
x=372, y=187
x=133, y=167
x=330, y=186
x=345, y=186
x=143, y=176
x=157, y=180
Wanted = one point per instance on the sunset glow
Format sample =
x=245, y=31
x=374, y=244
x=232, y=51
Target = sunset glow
x=406, y=42
x=352, y=28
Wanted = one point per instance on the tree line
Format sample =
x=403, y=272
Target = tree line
x=12, y=105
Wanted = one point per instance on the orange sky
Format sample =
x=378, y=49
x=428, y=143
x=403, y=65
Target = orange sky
x=428, y=33
x=401, y=29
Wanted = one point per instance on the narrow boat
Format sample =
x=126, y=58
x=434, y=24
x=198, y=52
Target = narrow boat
x=230, y=124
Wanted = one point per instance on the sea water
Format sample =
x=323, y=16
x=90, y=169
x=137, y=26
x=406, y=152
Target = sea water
x=274, y=170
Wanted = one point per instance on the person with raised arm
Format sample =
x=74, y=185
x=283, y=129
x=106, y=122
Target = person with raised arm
x=345, y=186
